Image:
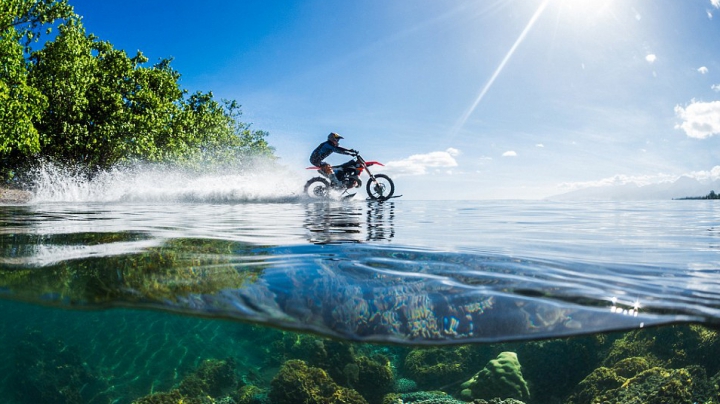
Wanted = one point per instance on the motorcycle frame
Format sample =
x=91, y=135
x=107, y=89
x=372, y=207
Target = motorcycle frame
x=364, y=166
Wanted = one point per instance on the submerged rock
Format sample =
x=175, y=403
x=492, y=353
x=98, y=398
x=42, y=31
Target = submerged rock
x=46, y=370
x=652, y=386
x=435, y=368
x=296, y=382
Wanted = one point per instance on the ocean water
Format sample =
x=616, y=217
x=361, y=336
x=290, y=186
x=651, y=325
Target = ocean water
x=109, y=298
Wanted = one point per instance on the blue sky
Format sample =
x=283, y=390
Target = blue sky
x=461, y=99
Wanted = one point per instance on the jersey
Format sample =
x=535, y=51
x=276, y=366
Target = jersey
x=323, y=150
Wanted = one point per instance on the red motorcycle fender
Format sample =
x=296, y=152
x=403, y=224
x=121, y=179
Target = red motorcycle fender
x=372, y=163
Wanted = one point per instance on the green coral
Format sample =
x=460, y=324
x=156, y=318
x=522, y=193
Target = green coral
x=211, y=382
x=248, y=394
x=434, y=368
x=171, y=397
x=374, y=377
x=653, y=386
x=49, y=371
x=633, y=380
x=296, y=382
x=213, y=378
x=500, y=378
x=420, y=397
x=554, y=367
x=670, y=347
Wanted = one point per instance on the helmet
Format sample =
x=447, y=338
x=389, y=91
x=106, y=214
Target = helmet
x=334, y=137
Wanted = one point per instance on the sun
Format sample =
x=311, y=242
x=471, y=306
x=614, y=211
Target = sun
x=589, y=12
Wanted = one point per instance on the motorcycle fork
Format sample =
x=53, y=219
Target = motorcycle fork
x=372, y=177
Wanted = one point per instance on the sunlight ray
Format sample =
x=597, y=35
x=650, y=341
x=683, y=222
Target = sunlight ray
x=498, y=70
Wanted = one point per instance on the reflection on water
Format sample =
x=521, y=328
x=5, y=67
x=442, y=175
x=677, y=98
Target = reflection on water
x=330, y=222
x=381, y=221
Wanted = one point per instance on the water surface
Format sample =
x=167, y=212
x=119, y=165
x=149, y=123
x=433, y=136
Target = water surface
x=104, y=276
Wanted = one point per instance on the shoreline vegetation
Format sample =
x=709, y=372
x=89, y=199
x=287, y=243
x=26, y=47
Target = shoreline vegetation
x=73, y=99
x=711, y=195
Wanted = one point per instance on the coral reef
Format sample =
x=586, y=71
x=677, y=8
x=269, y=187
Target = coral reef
x=404, y=385
x=296, y=382
x=662, y=365
x=213, y=378
x=651, y=386
x=421, y=397
x=434, y=368
x=500, y=378
x=370, y=375
x=48, y=371
x=554, y=367
x=213, y=382
x=374, y=377
x=249, y=395
x=670, y=347
x=171, y=397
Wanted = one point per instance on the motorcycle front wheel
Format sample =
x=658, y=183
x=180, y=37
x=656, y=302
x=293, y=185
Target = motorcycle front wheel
x=317, y=188
x=381, y=189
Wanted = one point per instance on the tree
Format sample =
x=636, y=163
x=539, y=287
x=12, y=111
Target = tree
x=80, y=101
x=27, y=16
x=63, y=71
x=20, y=103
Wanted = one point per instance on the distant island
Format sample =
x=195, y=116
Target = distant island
x=711, y=195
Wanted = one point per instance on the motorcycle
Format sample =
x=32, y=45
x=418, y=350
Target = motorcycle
x=379, y=187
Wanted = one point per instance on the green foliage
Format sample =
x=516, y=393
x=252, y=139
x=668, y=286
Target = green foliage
x=20, y=103
x=29, y=15
x=80, y=101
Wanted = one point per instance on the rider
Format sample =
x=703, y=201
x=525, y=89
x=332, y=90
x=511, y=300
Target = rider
x=332, y=145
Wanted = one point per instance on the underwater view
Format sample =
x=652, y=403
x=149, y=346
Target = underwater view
x=227, y=297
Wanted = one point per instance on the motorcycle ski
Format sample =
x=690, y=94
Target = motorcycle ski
x=379, y=187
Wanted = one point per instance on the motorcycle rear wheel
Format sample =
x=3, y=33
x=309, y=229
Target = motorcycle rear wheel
x=317, y=188
x=381, y=189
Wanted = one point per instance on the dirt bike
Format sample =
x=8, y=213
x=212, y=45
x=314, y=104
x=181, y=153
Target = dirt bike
x=379, y=187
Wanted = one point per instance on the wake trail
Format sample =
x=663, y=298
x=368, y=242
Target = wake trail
x=147, y=183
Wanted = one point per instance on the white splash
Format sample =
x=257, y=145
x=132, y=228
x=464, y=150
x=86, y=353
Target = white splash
x=264, y=182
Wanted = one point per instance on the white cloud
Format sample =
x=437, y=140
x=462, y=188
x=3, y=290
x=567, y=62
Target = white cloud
x=715, y=3
x=716, y=87
x=641, y=180
x=418, y=164
x=703, y=70
x=509, y=153
x=651, y=58
x=711, y=175
x=700, y=119
x=539, y=145
x=621, y=179
x=709, y=14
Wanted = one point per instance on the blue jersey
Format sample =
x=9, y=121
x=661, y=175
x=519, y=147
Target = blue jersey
x=323, y=150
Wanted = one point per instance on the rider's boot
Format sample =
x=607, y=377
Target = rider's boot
x=333, y=180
